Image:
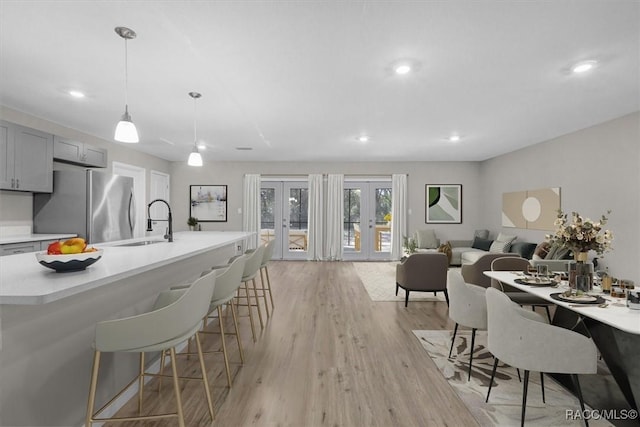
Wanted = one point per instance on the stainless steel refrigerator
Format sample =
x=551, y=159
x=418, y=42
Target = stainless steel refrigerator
x=95, y=205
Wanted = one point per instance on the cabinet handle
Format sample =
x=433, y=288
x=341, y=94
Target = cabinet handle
x=17, y=183
x=13, y=183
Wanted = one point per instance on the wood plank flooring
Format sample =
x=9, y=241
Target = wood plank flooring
x=328, y=356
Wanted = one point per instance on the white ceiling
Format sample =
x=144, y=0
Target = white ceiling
x=300, y=80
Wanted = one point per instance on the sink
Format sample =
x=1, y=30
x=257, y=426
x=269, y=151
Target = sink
x=142, y=243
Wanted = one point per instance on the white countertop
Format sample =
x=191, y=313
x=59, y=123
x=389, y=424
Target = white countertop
x=617, y=314
x=33, y=238
x=24, y=281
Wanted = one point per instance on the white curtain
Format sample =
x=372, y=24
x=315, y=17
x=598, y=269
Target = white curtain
x=251, y=208
x=315, y=227
x=399, y=214
x=335, y=217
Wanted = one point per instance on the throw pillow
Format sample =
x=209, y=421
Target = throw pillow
x=426, y=239
x=500, y=247
x=480, y=243
x=542, y=250
x=446, y=249
x=552, y=251
x=483, y=234
x=506, y=238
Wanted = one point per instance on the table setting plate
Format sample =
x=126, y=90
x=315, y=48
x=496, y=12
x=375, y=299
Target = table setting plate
x=578, y=299
x=531, y=281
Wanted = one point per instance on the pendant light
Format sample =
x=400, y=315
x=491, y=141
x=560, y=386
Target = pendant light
x=126, y=131
x=195, y=159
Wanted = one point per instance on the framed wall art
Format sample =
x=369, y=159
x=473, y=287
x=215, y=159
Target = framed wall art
x=208, y=203
x=443, y=203
x=531, y=209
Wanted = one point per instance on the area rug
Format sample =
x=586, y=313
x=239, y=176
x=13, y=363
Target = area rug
x=379, y=279
x=505, y=403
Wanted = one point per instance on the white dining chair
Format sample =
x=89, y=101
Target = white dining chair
x=467, y=307
x=523, y=339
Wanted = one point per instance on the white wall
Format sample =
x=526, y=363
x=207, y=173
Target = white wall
x=419, y=174
x=597, y=169
x=16, y=208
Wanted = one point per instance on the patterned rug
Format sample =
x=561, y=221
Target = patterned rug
x=379, y=279
x=505, y=403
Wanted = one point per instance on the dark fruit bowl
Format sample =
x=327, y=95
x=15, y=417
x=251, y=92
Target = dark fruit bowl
x=70, y=262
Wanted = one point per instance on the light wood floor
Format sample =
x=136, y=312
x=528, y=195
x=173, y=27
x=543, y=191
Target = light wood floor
x=328, y=356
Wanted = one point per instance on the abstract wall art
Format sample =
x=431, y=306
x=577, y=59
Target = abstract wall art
x=443, y=204
x=532, y=209
x=208, y=203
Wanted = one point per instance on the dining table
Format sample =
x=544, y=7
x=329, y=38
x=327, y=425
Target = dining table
x=614, y=327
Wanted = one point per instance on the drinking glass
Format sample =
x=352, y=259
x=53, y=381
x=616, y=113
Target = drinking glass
x=543, y=271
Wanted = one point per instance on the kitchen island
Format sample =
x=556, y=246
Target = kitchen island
x=47, y=320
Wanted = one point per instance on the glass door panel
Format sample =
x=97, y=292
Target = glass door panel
x=366, y=231
x=295, y=221
x=284, y=211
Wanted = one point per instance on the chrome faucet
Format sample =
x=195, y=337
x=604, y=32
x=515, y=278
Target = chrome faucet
x=169, y=235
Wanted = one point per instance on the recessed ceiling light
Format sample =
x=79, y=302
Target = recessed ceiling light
x=363, y=138
x=402, y=69
x=454, y=138
x=584, y=66
x=76, y=94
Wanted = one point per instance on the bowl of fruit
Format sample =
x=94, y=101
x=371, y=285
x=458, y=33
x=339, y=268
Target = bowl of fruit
x=69, y=255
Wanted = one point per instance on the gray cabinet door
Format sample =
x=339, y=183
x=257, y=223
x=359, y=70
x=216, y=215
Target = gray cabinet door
x=79, y=153
x=26, y=159
x=6, y=156
x=33, y=160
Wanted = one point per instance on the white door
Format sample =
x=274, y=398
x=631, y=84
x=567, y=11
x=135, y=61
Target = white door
x=139, y=188
x=284, y=212
x=159, y=188
x=366, y=232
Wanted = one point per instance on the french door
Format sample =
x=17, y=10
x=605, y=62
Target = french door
x=284, y=212
x=367, y=211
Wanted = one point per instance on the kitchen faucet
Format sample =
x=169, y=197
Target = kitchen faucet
x=169, y=235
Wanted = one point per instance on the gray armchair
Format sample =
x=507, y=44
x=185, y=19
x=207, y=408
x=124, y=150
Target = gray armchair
x=474, y=273
x=423, y=272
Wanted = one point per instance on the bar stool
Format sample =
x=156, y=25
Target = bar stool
x=174, y=319
x=251, y=268
x=228, y=280
x=266, y=286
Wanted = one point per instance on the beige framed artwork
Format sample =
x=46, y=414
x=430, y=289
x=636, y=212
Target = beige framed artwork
x=532, y=209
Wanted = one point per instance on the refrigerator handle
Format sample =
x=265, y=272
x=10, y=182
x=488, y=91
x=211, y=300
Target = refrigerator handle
x=132, y=212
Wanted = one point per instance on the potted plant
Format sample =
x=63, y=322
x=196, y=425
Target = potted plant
x=192, y=222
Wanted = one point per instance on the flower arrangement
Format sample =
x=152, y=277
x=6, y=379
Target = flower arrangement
x=192, y=221
x=581, y=234
x=387, y=217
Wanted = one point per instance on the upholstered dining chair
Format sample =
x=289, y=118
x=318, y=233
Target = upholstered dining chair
x=467, y=307
x=175, y=318
x=423, y=272
x=518, y=296
x=474, y=273
x=523, y=339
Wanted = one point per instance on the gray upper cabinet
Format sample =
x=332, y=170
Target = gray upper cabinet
x=79, y=153
x=26, y=159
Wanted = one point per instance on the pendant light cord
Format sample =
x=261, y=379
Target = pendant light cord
x=195, y=131
x=126, y=76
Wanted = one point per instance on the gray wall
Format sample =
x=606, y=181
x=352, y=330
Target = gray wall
x=419, y=174
x=597, y=169
x=16, y=208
